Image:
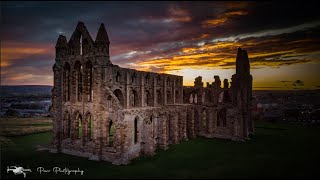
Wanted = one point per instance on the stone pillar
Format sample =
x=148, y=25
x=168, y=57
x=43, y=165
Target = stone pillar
x=175, y=128
x=165, y=92
x=148, y=138
x=192, y=128
x=215, y=119
x=210, y=121
x=156, y=133
x=180, y=126
x=251, y=124
x=184, y=125
x=104, y=132
x=142, y=91
x=119, y=137
x=126, y=96
x=163, y=130
x=154, y=91
x=245, y=125
x=208, y=114
x=57, y=107
x=127, y=131
x=97, y=139
x=174, y=91
x=241, y=124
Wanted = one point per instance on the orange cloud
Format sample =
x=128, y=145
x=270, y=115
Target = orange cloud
x=223, y=18
x=178, y=14
x=13, y=51
x=222, y=55
x=237, y=5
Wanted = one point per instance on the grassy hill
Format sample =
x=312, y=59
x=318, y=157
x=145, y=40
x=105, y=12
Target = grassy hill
x=276, y=151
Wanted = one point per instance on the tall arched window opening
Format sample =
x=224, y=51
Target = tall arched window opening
x=111, y=132
x=89, y=81
x=133, y=78
x=147, y=98
x=109, y=102
x=66, y=82
x=78, y=77
x=159, y=98
x=133, y=98
x=135, y=130
x=118, y=76
x=90, y=127
x=80, y=43
x=147, y=78
x=119, y=95
x=80, y=126
x=66, y=125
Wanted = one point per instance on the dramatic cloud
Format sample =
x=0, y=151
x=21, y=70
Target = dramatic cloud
x=183, y=38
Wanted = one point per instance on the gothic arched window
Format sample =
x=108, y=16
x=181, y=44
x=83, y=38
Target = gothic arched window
x=66, y=82
x=80, y=43
x=78, y=78
x=89, y=80
x=159, y=98
x=118, y=76
x=80, y=126
x=135, y=130
x=147, y=79
x=111, y=133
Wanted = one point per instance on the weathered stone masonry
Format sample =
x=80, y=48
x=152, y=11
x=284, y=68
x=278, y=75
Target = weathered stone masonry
x=105, y=112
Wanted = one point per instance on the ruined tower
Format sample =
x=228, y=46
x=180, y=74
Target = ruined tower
x=242, y=88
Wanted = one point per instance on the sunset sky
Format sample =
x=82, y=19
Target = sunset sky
x=183, y=38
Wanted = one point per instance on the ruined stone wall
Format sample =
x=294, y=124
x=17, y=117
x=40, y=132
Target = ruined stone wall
x=104, y=112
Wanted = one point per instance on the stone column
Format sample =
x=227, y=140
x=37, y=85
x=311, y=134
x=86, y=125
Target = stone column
x=154, y=91
x=163, y=130
x=210, y=121
x=165, y=91
x=142, y=91
x=57, y=107
x=155, y=125
x=126, y=96
x=150, y=139
x=175, y=128
x=104, y=130
x=184, y=125
x=97, y=139
x=180, y=126
x=215, y=118
x=174, y=91
x=208, y=114
x=192, y=127
x=251, y=124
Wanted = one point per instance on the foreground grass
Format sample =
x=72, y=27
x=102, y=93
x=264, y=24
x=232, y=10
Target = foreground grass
x=277, y=150
x=24, y=126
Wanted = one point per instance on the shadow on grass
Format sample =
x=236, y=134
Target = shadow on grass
x=291, y=152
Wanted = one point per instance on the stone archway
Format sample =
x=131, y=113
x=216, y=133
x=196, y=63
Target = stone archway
x=118, y=93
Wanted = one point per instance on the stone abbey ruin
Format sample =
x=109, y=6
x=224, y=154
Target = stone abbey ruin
x=104, y=112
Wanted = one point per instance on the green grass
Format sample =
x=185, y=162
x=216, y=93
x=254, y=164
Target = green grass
x=24, y=126
x=276, y=151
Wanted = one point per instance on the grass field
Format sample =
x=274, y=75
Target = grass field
x=276, y=151
x=24, y=126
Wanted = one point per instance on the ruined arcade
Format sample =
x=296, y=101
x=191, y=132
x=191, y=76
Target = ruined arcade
x=104, y=112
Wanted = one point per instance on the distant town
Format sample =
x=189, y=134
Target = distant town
x=295, y=106
x=25, y=101
x=292, y=106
